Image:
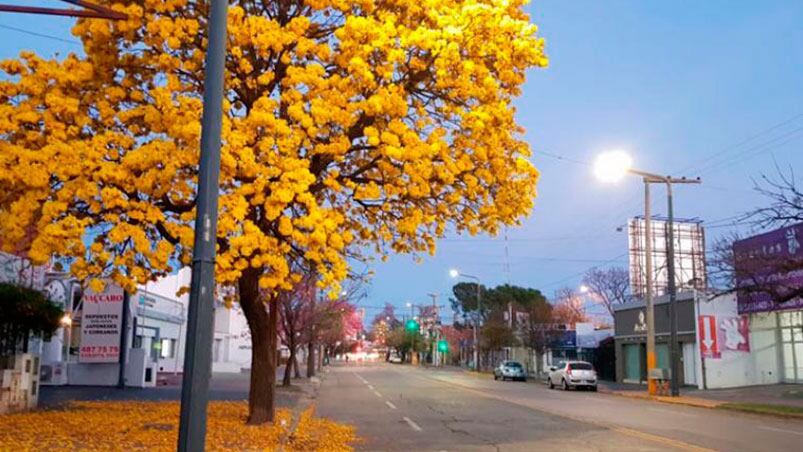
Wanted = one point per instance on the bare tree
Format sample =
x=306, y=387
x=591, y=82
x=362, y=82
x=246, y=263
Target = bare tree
x=567, y=307
x=786, y=200
x=756, y=271
x=608, y=286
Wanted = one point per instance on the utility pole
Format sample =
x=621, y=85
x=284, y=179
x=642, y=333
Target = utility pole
x=123, y=356
x=434, y=330
x=652, y=385
x=200, y=320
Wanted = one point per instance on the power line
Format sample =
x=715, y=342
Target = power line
x=560, y=281
x=41, y=35
x=742, y=143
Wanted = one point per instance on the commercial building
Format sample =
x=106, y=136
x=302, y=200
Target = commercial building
x=630, y=336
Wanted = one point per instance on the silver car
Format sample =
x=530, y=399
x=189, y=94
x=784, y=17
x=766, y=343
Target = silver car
x=573, y=374
x=510, y=370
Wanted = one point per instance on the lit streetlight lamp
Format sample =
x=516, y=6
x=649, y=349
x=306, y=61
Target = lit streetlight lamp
x=455, y=273
x=612, y=167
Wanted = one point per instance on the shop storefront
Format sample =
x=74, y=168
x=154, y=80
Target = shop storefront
x=630, y=326
x=769, y=271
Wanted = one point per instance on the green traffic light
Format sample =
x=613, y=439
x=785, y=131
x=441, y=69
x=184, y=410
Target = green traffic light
x=443, y=346
x=412, y=325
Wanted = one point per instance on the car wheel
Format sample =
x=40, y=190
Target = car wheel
x=593, y=389
x=551, y=386
x=565, y=385
x=496, y=377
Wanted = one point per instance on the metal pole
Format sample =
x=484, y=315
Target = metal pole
x=198, y=349
x=673, y=314
x=652, y=385
x=123, y=355
x=476, y=327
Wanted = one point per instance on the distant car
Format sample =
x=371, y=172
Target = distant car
x=573, y=374
x=394, y=358
x=510, y=370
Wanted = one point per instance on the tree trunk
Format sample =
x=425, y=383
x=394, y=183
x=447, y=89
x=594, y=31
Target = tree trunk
x=288, y=368
x=296, y=368
x=310, y=359
x=263, y=326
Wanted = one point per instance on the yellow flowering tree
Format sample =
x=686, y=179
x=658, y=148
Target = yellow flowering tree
x=349, y=125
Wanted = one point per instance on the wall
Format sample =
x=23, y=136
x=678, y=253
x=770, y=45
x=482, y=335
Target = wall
x=234, y=339
x=736, y=368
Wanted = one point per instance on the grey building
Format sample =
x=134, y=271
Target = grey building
x=630, y=335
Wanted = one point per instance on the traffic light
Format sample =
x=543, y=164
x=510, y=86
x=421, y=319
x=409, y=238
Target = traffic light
x=443, y=346
x=411, y=325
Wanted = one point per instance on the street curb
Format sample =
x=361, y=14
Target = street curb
x=687, y=401
x=727, y=406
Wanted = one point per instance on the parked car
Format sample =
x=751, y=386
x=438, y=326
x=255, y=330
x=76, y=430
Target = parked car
x=510, y=370
x=573, y=374
x=395, y=358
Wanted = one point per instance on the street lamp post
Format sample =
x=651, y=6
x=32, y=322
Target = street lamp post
x=611, y=167
x=200, y=315
x=454, y=273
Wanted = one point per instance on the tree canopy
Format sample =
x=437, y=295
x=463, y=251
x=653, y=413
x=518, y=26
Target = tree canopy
x=346, y=123
x=348, y=126
x=25, y=312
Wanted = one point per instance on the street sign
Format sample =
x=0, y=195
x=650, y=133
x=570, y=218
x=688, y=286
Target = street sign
x=709, y=346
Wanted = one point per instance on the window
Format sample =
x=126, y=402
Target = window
x=581, y=366
x=168, y=348
x=513, y=365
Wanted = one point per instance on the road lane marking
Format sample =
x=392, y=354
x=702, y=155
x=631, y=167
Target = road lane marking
x=371, y=387
x=360, y=377
x=412, y=424
x=390, y=404
x=781, y=430
x=378, y=394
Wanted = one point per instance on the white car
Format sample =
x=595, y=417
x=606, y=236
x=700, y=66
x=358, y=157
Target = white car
x=573, y=374
x=395, y=358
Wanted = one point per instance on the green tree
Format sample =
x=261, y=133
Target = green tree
x=25, y=312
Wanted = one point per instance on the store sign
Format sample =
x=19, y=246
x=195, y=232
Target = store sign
x=101, y=322
x=709, y=344
x=735, y=333
x=773, y=260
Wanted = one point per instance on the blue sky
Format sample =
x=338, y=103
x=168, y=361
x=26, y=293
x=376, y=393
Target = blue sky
x=691, y=88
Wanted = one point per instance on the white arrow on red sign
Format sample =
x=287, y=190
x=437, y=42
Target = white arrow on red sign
x=709, y=347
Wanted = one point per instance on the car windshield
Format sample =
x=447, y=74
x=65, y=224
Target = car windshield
x=513, y=365
x=581, y=366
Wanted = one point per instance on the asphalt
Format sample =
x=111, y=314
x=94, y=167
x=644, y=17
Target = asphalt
x=399, y=407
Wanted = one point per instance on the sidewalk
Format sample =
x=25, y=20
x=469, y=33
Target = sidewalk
x=785, y=397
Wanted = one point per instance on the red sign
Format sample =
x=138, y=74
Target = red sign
x=709, y=346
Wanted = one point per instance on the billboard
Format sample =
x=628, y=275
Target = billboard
x=689, y=254
x=101, y=322
x=768, y=267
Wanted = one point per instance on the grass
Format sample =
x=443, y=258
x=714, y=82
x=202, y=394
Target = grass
x=763, y=408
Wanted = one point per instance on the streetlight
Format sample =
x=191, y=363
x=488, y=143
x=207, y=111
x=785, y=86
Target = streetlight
x=584, y=289
x=611, y=167
x=455, y=273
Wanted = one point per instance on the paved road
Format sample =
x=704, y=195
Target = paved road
x=398, y=407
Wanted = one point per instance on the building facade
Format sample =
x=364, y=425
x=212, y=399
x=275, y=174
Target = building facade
x=630, y=336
